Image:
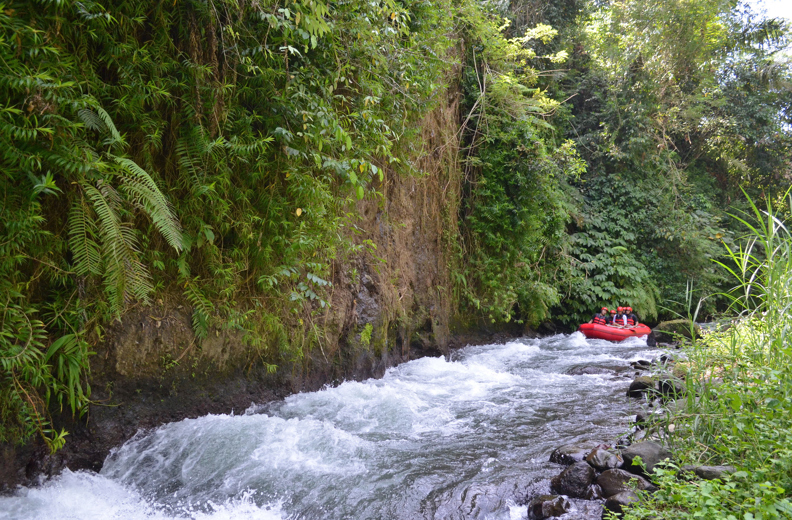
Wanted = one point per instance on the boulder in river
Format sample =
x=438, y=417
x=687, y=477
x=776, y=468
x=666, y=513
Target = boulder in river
x=589, y=370
x=571, y=453
x=614, y=481
x=709, y=472
x=640, y=386
x=548, y=506
x=574, y=480
x=667, y=331
x=617, y=502
x=650, y=452
x=603, y=460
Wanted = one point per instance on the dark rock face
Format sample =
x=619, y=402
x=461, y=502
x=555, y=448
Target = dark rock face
x=574, y=480
x=617, y=502
x=650, y=452
x=614, y=481
x=548, y=506
x=603, y=460
x=709, y=472
x=640, y=386
x=571, y=453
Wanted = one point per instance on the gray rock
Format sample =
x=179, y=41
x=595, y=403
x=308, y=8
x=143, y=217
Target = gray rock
x=672, y=388
x=548, y=506
x=581, y=371
x=650, y=452
x=709, y=472
x=640, y=386
x=571, y=453
x=593, y=492
x=602, y=460
x=617, y=502
x=574, y=480
x=614, y=481
x=666, y=359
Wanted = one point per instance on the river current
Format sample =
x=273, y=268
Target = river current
x=465, y=438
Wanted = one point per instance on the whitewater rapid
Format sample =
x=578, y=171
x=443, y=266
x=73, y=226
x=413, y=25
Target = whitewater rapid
x=467, y=437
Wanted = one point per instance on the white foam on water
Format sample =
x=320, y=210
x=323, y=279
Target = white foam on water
x=370, y=449
x=88, y=496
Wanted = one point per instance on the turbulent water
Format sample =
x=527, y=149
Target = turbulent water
x=465, y=438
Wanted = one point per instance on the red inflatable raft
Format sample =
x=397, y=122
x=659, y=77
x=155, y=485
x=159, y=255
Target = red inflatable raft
x=610, y=333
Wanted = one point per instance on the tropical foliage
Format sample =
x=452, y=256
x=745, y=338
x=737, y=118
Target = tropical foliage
x=215, y=153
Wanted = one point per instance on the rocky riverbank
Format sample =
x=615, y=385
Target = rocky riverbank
x=615, y=474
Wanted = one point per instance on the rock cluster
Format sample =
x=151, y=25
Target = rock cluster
x=600, y=472
x=619, y=474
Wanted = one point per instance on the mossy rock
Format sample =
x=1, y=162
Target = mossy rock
x=667, y=330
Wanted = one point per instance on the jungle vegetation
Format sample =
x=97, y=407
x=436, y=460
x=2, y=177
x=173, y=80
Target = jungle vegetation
x=214, y=151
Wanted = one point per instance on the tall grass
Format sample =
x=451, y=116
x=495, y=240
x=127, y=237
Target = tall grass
x=738, y=408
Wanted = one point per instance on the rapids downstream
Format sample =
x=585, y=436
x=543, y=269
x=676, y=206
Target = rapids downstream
x=465, y=438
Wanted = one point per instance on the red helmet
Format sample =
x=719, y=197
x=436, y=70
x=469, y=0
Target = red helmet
x=621, y=309
x=613, y=311
x=629, y=309
x=604, y=309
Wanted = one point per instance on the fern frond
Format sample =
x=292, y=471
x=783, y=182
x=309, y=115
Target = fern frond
x=125, y=276
x=202, y=309
x=92, y=120
x=96, y=118
x=82, y=240
x=144, y=192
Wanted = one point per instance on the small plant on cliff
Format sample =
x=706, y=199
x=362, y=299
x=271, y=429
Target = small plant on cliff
x=365, y=334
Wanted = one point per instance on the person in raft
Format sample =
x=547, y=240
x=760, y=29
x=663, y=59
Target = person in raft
x=632, y=319
x=601, y=318
x=612, y=320
x=621, y=317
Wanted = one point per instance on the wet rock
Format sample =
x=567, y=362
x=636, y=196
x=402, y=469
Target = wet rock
x=709, y=472
x=668, y=331
x=614, y=481
x=637, y=437
x=617, y=502
x=651, y=340
x=650, y=452
x=602, y=460
x=641, y=364
x=640, y=421
x=593, y=492
x=666, y=359
x=574, y=480
x=580, y=371
x=548, y=506
x=571, y=453
x=672, y=388
x=640, y=386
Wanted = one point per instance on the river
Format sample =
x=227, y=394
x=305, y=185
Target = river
x=465, y=438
